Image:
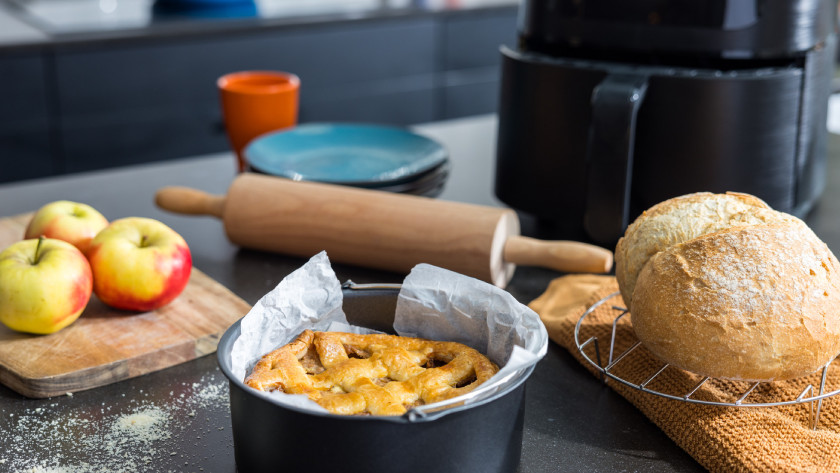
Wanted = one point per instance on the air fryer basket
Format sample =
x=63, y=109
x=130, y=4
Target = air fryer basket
x=483, y=437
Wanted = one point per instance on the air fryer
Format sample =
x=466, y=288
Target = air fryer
x=608, y=107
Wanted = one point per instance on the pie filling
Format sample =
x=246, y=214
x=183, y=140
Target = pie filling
x=374, y=374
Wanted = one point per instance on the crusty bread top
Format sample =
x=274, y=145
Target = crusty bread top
x=752, y=303
x=681, y=219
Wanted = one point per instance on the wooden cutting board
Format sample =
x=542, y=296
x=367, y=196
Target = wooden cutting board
x=106, y=345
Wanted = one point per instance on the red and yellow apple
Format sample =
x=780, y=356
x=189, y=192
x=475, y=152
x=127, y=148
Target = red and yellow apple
x=73, y=222
x=45, y=284
x=139, y=264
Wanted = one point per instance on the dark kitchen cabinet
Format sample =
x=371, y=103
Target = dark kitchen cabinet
x=113, y=103
x=470, y=62
x=26, y=142
x=146, y=102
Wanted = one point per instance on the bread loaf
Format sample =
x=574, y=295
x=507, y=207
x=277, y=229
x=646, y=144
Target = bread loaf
x=681, y=219
x=724, y=286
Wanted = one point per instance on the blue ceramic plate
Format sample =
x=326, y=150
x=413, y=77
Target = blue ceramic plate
x=362, y=155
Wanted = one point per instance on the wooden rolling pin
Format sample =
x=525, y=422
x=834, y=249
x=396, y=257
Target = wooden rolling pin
x=378, y=229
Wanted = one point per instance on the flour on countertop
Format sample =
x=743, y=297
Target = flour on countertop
x=131, y=435
x=147, y=425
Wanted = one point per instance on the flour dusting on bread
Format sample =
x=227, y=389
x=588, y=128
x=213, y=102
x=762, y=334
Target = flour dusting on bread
x=681, y=219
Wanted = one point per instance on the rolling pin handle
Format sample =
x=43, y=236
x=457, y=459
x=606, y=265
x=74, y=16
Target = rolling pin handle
x=184, y=200
x=560, y=255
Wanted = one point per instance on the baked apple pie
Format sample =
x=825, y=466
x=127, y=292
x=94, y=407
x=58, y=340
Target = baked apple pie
x=376, y=374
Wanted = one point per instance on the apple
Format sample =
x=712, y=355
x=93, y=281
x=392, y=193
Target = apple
x=45, y=284
x=139, y=264
x=73, y=222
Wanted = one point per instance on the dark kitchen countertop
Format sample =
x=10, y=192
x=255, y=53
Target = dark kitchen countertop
x=573, y=421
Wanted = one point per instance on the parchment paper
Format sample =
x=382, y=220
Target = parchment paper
x=434, y=303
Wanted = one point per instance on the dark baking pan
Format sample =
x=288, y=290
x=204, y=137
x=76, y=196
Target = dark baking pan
x=483, y=437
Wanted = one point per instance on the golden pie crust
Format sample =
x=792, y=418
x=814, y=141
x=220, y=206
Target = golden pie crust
x=376, y=374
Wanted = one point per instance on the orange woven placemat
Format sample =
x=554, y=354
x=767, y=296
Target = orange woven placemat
x=721, y=438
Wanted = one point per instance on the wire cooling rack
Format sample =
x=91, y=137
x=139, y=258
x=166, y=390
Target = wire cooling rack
x=739, y=397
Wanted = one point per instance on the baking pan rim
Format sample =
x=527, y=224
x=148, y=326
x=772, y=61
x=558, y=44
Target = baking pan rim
x=230, y=335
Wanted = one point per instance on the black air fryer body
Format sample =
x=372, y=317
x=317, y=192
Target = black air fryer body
x=608, y=107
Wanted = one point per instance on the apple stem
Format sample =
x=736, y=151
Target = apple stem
x=143, y=241
x=38, y=249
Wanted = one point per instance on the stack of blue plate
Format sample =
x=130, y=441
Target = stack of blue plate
x=369, y=156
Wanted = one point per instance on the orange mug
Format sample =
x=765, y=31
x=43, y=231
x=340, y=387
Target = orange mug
x=255, y=103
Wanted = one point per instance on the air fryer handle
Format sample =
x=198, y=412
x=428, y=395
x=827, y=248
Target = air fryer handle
x=615, y=104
